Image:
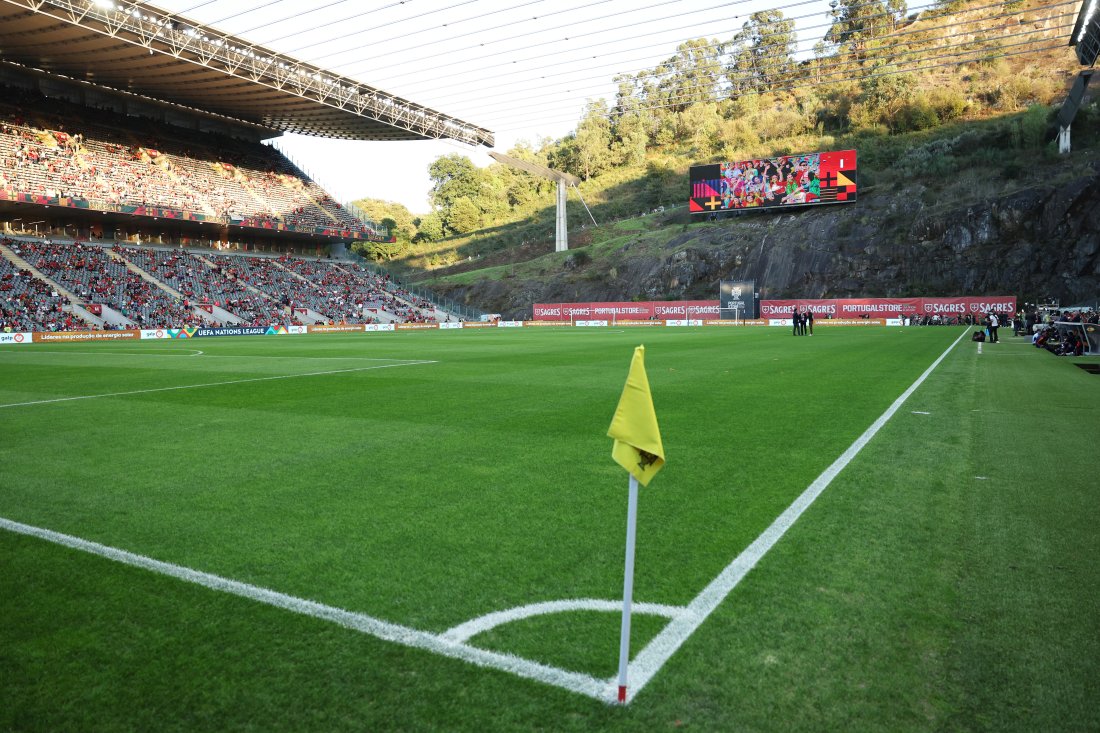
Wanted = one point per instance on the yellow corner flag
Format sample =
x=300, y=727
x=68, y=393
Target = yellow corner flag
x=637, y=446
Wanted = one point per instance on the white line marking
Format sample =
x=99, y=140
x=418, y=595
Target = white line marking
x=650, y=660
x=921, y=412
x=463, y=632
x=214, y=384
x=197, y=352
x=404, y=635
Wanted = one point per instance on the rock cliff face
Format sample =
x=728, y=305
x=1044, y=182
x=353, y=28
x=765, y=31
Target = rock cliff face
x=1034, y=243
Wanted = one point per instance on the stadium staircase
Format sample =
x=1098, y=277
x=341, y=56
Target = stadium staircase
x=208, y=317
x=74, y=305
x=241, y=283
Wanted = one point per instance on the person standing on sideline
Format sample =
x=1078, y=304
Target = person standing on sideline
x=993, y=324
x=796, y=321
x=808, y=322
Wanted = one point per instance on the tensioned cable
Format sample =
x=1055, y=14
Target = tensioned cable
x=246, y=11
x=729, y=90
x=889, y=36
x=917, y=31
x=317, y=59
x=748, y=79
x=545, y=30
x=542, y=95
x=498, y=27
x=724, y=94
x=296, y=32
x=706, y=47
x=751, y=92
x=844, y=66
x=603, y=31
x=372, y=29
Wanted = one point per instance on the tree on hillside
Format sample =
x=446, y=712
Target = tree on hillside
x=429, y=228
x=628, y=124
x=858, y=23
x=378, y=210
x=762, y=54
x=464, y=216
x=693, y=75
x=453, y=176
x=593, y=140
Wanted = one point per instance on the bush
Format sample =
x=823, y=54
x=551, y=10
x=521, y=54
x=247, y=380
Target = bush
x=916, y=115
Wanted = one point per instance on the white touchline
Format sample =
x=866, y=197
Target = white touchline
x=650, y=660
x=451, y=643
x=198, y=352
x=404, y=635
x=214, y=384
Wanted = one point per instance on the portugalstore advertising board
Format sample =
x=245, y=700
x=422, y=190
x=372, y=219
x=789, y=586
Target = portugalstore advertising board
x=842, y=308
x=626, y=310
x=849, y=308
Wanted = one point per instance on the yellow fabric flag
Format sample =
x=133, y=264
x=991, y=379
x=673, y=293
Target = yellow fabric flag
x=637, y=445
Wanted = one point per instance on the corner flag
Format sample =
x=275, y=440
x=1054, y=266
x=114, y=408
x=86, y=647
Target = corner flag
x=637, y=445
x=638, y=449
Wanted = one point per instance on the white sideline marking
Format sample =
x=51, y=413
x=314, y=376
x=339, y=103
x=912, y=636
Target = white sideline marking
x=404, y=635
x=650, y=660
x=481, y=624
x=214, y=384
x=198, y=352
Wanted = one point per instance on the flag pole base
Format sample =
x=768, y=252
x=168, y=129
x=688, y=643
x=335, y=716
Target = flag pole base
x=622, y=693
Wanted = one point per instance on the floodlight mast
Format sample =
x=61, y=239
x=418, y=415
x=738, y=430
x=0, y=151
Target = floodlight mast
x=561, y=233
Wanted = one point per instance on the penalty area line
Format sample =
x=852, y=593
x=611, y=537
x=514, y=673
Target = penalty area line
x=661, y=648
x=214, y=384
x=384, y=630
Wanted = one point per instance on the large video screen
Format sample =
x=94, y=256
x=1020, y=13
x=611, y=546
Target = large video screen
x=788, y=180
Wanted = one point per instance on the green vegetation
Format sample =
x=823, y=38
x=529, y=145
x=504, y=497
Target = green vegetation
x=747, y=96
x=944, y=581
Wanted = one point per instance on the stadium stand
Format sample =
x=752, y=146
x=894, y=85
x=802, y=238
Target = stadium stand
x=170, y=288
x=119, y=161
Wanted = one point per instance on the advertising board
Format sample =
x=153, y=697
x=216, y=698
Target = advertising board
x=773, y=183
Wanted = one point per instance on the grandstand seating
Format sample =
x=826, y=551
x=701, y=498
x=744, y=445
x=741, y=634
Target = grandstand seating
x=257, y=290
x=111, y=162
x=28, y=304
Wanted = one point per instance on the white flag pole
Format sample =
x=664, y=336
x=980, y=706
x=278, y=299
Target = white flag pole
x=628, y=586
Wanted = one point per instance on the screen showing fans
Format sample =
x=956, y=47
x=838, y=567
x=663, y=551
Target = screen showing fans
x=787, y=180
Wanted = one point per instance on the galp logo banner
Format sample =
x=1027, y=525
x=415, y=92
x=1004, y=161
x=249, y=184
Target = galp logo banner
x=15, y=338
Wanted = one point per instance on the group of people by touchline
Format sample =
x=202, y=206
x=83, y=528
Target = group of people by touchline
x=803, y=322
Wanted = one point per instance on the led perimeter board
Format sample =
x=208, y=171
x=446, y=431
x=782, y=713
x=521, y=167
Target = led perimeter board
x=789, y=180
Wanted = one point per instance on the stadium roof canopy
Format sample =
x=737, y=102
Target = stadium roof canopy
x=141, y=49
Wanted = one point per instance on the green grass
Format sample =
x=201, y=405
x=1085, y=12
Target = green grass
x=911, y=596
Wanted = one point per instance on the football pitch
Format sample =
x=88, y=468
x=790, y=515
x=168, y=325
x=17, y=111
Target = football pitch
x=869, y=529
